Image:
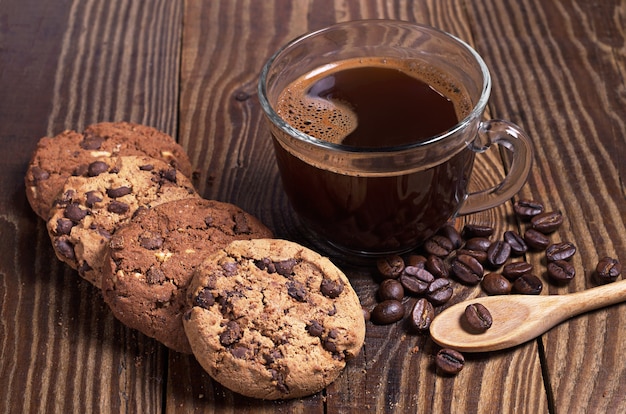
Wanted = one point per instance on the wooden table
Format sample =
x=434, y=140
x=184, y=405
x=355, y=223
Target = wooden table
x=190, y=68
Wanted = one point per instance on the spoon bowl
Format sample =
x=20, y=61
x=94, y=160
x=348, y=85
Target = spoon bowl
x=518, y=318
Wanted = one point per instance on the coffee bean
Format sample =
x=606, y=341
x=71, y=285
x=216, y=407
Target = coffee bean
x=528, y=284
x=479, y=255
x=387, y=312
x=452, y=234
x=527, y=209
x=536, y=240
x=514, y=270
x=607, y=270
x=478, y=243
x=390, y=289
x=496, y=284
x=561, y=270
x=467, y=269
x=437, y=266
x=415, y=280
x=477, y=318
x=517, y=243
x=476, y=230
x=449, y=361
x=416, y=260
x=498, y=253
x=548, y=222
x=439, y=291
x=390, y=267
x=438, y=245
x=560, y=251
x=422, y=314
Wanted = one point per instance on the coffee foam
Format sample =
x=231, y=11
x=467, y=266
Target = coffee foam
x=331, y=121
x=334, y=120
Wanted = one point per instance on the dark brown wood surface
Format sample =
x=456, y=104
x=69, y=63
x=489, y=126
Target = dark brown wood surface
x=190, y=68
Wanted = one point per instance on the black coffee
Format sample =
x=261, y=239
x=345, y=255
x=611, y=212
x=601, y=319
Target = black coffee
x=362, y=105
x=374, y=107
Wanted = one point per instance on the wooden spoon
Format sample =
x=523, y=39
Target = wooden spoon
x=519, y=318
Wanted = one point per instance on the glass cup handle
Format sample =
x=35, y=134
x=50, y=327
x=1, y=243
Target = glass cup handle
x=497, y=131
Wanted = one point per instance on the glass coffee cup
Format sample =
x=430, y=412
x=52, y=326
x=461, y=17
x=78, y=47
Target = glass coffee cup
x=375, y=126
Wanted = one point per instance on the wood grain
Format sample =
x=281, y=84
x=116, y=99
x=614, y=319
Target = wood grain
x=190, y=68
x=579, y=153
x=66, y=65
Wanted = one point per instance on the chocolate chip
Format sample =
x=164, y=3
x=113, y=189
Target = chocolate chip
x=204, y=299
x=39, y=174
x=96, y=168
x=91, y=142
x=230, y=268
x=314, y=328
x=279, y=377
x=239, y=351
x=285, y=267
x=151, y=241
x=65, y=249
x=118, y=192
x=92, y=197
x=74, y=212
x=266, y=264
x=241, y=224
x=296, y=290
x=118, y=207
x=146, y=167
x=154, y=276
x=232, y=334
x=64, y=226
x=169, y=175
x=331, y=288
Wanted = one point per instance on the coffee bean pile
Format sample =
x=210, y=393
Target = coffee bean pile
x=472, y=258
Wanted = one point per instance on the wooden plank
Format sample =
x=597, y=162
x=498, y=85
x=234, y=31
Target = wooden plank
x=222, y=127
x=66, y=65
x=562, y=88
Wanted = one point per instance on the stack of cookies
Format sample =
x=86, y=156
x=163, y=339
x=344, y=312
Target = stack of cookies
x=267, y=318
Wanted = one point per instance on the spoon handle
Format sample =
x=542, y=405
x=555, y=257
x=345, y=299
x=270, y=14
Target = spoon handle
x=594, y=298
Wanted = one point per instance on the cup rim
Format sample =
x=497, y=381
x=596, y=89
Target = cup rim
x=277, y=120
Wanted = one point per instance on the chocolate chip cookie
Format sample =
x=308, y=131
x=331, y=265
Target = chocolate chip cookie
x=151, y=261
x=92, y=206
x=272, y=319
x=57, y=158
